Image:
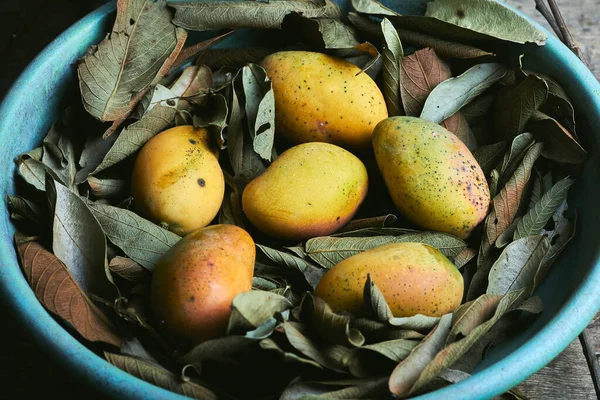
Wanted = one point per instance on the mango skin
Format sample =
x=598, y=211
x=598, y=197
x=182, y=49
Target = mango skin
x=321, y=98
x=414, y=278
x=432, y=177
x=177, y=180
x=310, y=190
x=195, y=282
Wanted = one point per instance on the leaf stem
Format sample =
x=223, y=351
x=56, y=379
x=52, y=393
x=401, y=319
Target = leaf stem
x=558, y=24
x=592, y=361
x=547, y=14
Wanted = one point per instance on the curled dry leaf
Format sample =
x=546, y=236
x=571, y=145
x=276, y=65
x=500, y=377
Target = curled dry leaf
x=408, y=371
x=331, y=327
x=232, y=57
x=472, y=314
x=209, y=15
x=515, y=106
x=59, y=292
x=312, y=274
x=159, y=376
x=256, y=307
x=559, y=144
x=113, y=75
x=366, y=361
x=392, y=53
x=128, y=269
x=321, y=33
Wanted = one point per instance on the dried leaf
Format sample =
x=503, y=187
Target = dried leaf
x=477, y=111
x=142, y=46
x=517, y=265
x=329, y=250
x=366, y=361
x=21, y=207
x=488, y=156
x=128, y=269
x=420, y=73
x=444, y=48
x=108, y=188
x=371, y=222
x=558, y=105
x=321, y=33
x=408, y=371
x=392, y=53
x=564, y=230
x=464, y=257
x=260, y=109
x=286, y=356
x=376, y=332
x=458, y=125
x=296, y=335
x=139, y=238
x=255, y=307
x=559, y=144
x=536, y=218
x=232, y=58
x=376, y=307
x=132, y=138
x=311, y=273
x=451, y=353
x=352, y=389
x=518, y=148
x=507, y=202
x=188, y=53
x=331, y=327
x=79, y=242
x=209, y=15
x=59, y=292
x=245, y=162
x=472, y=314
x=417, y=322
x=515, y=106
x=487, y=17
x=159, y=376
x=372, y=7
x=369, y=232
x=454, y=93
x=212, y=115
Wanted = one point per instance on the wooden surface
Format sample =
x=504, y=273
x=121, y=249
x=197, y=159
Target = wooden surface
x=25, y=370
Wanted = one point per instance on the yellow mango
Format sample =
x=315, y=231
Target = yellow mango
x=414, y=278
x=196, y=281
x=310, y=190
x=177, y=180
x=321, y=98
x=432, y=177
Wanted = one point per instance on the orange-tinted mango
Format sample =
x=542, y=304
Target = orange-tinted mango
x=196, y=281
x=414, y=278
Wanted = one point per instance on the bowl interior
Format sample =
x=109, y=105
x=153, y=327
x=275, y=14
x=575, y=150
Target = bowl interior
x=568, y=292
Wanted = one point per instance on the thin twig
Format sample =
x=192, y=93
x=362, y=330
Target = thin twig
x=592, y=361
x=567, y=38
x=547, y=14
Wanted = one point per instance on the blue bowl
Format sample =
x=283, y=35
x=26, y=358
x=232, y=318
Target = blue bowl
x=570, y=291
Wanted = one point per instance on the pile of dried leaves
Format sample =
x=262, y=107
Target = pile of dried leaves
x=89, y=257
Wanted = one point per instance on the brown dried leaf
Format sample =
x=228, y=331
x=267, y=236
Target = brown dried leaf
x=58, y=291
x=128, y=269
x=507, y=202
x=419, y=74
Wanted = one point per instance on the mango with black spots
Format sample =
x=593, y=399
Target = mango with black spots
x=432, y=177
x=322, y=98
x=195, y=282
x=177, y=181
x=312, y=189
x=414, y=278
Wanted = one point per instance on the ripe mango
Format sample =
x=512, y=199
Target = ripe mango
x=196, y=281
x=414, y=278
x=432, y=177
x=321, y=98
x=177, y=180
x=310, y=190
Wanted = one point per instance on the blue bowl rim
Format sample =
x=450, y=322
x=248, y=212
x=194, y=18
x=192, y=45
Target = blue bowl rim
x=552, y=339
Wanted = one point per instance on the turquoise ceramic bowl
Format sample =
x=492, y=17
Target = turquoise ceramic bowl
x=570, y=292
